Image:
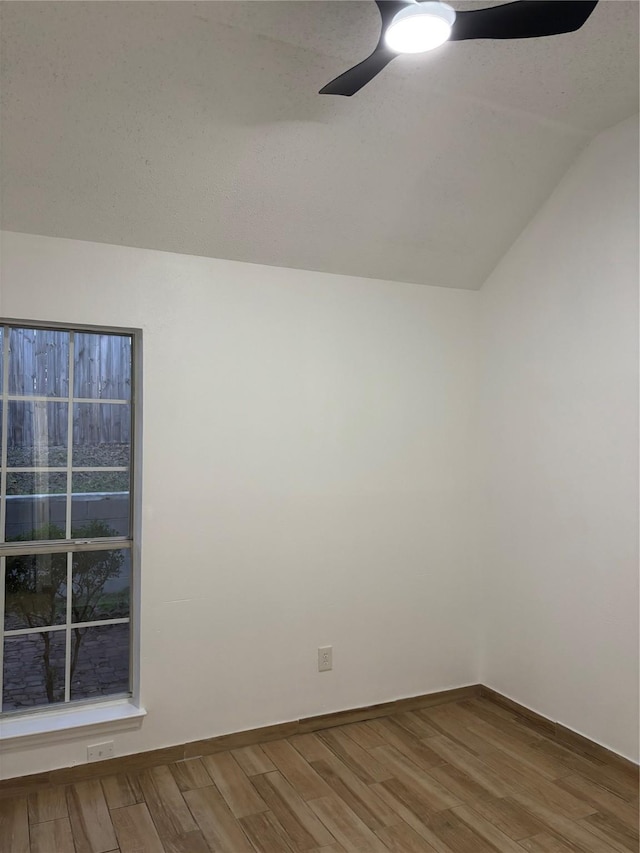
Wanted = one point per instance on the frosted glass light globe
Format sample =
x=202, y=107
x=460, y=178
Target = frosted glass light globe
x=420, y=27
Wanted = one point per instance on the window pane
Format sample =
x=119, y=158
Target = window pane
x=99, y=661
x=101, y=434
x=39, y=362
x=33, y=667
x=36, y=482
x=35, y=591
x=37, y=434
x=101, y=581
x=102, y=366
x=36, y=506
x=103, y=497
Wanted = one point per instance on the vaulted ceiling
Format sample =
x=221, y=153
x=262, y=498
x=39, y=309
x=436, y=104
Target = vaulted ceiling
x=197, y=128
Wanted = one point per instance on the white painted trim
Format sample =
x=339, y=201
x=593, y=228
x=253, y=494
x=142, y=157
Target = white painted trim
x=57, y=546
x=82, y=495
x=68, y=545
x=68, y=619
x=62, y=468
x=35, y=398
x=45, y=629
x=69, y=718
x=3, y=491
x=69, y=496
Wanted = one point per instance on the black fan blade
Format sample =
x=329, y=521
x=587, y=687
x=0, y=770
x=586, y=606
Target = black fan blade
x=522, y=20
x=355, y=78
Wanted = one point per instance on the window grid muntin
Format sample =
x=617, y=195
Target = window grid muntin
x=34, y=398
x=96, y=623
x=68, y=545
x=67, y=520
x=57, y=546
x=80, y=469
x=67, y=629
x=3, y=446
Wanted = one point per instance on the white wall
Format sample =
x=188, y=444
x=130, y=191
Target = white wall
x=560, y=490
x=311, y=445
x=307, y=447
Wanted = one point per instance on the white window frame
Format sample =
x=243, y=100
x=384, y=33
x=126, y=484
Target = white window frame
x=122, y=708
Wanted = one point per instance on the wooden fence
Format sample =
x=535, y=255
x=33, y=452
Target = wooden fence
x=39, y=365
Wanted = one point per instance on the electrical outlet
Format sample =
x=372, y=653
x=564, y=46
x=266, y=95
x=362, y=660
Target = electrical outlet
x=100, y=751
x=325, y=658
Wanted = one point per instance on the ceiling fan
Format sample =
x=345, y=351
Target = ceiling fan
x=409, y=26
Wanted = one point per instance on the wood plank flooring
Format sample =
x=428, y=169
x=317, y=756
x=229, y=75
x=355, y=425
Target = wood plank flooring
x=464, y=777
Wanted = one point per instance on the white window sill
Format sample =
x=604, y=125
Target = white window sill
x=119, y=713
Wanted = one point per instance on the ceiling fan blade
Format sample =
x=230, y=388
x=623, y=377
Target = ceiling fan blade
x=355, y=78
x=523, y=19
x=388, y=10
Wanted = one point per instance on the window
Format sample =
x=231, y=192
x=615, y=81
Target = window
x=66, y=530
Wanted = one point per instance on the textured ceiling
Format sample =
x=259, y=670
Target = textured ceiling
x=197, y=128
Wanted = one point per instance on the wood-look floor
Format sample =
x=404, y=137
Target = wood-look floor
x=465, y=777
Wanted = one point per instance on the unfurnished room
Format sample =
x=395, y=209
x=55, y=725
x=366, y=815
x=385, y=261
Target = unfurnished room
x=319, y=429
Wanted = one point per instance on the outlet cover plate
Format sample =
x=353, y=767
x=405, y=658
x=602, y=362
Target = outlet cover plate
x=325, y=658
x=100, y=751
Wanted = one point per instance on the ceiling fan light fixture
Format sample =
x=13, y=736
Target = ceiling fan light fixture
x=420, y=27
